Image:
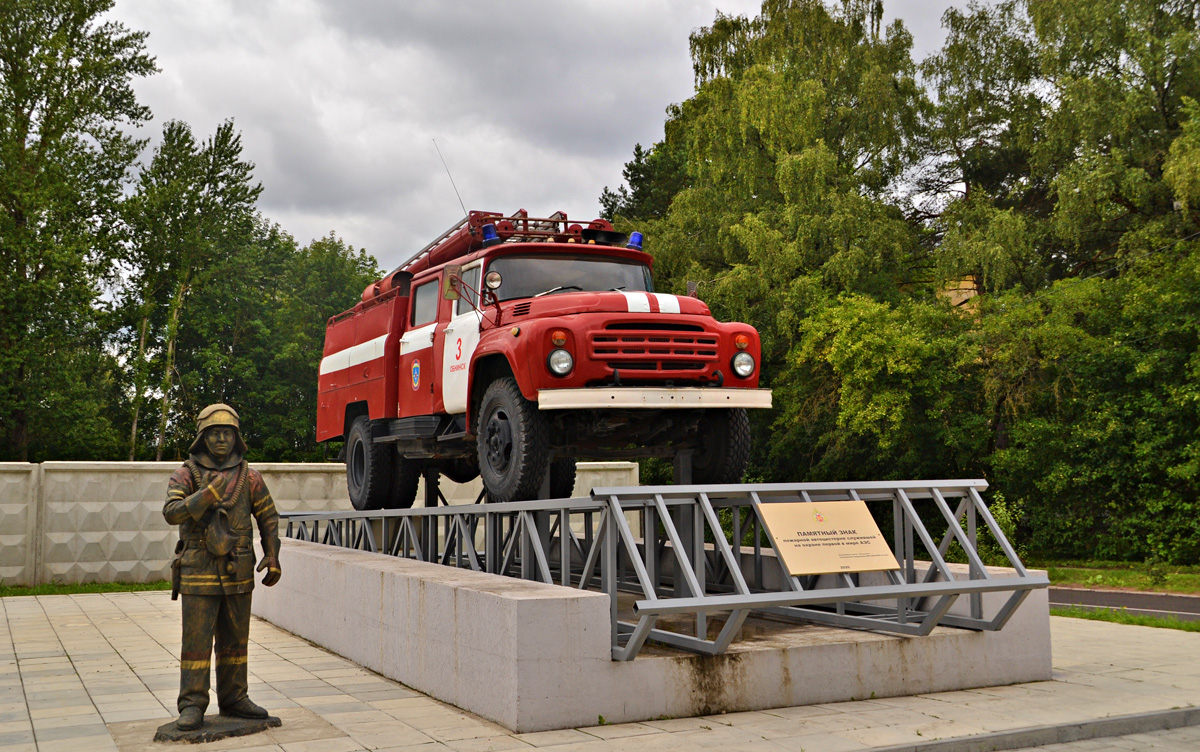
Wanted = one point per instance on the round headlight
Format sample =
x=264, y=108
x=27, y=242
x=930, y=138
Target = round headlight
x=743, y=364
x=493, y=280
x=560, y=362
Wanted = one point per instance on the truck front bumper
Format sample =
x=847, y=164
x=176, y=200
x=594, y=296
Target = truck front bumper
x=652, y=398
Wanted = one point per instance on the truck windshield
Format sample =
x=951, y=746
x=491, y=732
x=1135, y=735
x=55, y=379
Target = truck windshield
x=550, y=274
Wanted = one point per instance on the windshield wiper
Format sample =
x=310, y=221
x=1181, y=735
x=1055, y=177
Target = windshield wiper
x=557, y=289
x=618, y=288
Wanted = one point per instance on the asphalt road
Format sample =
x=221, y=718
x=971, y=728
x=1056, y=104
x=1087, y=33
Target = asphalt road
x=1182, y=607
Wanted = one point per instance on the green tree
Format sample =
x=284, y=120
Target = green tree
x=654, y=176
x=803, y=123
x=833, y=203
x=257, y=337
x=193, y=211
x=66, y=101
x=323, y=278
x=1182, y=168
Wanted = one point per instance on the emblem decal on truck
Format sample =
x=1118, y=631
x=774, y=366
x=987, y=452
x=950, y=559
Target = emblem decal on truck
x=416, y=374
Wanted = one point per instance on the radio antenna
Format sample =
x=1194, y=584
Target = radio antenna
x=452, y=185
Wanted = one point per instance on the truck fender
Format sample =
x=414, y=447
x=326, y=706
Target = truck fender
x=486, y=367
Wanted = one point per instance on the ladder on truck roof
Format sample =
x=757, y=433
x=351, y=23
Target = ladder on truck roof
x=526, y=230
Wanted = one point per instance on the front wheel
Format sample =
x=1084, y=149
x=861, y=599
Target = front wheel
x=511, y=442
x=368, y=467
x=724, y=447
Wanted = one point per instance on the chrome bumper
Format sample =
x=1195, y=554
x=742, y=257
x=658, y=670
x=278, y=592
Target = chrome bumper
x=652, y=398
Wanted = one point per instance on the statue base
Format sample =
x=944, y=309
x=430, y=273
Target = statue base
x=216, y=727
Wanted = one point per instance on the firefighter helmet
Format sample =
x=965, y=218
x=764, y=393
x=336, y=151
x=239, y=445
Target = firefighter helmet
x=218, y=414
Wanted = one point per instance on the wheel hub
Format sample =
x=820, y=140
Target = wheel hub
x=499, y=442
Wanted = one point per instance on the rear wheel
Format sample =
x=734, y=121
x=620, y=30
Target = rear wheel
x=460, y=470
x=724, y=447
x=368, y=467
x=562, y=478
x=406, y=474
x=512, y=446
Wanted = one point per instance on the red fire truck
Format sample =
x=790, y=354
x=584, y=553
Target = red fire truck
x=512, y=346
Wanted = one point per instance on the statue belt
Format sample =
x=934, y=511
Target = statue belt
x=242, y=541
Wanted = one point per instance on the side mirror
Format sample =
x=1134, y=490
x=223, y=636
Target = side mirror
x=451, y=279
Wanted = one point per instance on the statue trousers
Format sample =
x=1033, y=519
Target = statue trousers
x=224, y=619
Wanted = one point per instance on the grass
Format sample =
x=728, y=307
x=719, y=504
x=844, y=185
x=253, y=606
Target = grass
x=1121, y=616
x=7, y=591
x=1123, y=574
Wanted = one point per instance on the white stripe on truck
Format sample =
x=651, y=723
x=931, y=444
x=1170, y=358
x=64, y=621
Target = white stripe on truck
x=353, y=355
x=638, y=302
x=666, y=303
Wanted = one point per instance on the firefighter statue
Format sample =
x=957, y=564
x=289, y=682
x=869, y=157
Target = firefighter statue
x=212, y=498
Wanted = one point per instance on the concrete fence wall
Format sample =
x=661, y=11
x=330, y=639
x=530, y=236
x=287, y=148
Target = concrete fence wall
x=74, y=522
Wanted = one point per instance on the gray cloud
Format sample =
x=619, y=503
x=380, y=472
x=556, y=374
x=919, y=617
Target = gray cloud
x=534, y=104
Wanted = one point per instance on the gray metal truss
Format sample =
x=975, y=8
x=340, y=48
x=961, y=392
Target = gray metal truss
x=699, y=559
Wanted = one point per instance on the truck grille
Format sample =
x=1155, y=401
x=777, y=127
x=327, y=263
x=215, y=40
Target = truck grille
x=650, y=347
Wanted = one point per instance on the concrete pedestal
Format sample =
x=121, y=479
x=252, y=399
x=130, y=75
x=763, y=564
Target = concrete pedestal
x=535, y=657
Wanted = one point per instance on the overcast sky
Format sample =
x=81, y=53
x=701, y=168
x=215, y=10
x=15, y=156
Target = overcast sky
x=534, y=105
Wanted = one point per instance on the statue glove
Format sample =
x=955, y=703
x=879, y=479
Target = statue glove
x=271, y=564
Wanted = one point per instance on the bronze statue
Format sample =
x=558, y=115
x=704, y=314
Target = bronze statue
x=212, y=498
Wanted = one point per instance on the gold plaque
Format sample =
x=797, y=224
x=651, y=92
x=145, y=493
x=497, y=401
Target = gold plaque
x=827, y=537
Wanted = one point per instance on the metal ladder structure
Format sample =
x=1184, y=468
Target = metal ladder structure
x=529, y=230
x=698, y=560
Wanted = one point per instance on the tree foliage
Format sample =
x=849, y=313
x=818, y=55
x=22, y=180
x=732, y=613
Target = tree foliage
x=123, y=312
x=193, y=213
x=65, y=95
x=221, y=305
x=849, y=202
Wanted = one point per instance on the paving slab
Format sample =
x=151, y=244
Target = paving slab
x=100, y=671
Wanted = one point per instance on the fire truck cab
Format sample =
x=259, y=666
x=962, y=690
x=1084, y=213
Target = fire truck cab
x=512, y=346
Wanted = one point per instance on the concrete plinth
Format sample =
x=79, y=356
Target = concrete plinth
x=535, y=657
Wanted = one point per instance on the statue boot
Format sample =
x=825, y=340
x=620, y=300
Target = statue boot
x=190, y=718
x=244, y=708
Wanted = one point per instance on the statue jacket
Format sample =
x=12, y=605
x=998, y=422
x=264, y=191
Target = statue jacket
x=194, y=509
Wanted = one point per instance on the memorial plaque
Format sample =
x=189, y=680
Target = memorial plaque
x=827, y=537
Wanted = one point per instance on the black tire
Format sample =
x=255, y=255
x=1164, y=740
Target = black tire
x=511, y=442
x=406, y=474
x=460, y=470
x=562, y=478
x=368, y=467
x=724, y=447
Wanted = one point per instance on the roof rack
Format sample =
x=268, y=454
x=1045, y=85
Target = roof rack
x=466, y=235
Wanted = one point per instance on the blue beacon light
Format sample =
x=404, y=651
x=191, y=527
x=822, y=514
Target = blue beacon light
x=635, y=241
x=490, y=238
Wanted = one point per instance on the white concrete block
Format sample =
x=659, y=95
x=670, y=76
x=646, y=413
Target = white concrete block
x=533, y=657
x=589, y=475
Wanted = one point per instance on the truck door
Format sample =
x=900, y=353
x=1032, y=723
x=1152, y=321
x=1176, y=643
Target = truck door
x=416, y=351
x=462, y=336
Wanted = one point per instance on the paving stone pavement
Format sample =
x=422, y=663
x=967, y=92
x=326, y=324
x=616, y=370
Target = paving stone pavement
x=100, y=672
